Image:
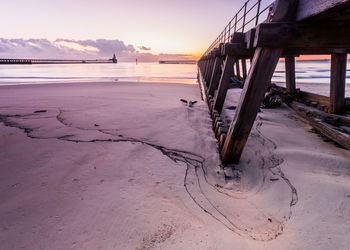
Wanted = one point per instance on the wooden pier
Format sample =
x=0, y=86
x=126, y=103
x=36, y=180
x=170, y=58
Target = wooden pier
x=292, y=28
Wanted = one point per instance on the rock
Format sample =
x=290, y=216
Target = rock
x=232, y=108
x=40, y=111
x=189, y=103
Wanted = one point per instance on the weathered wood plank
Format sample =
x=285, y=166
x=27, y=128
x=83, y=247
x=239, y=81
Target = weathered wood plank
x=312, y=97
x=324, y=128
x=311, y=8
x=337, y=91
x=224, y=83
x=322, y=101
x=330, y=118
x=303, y=35
x=253, y=93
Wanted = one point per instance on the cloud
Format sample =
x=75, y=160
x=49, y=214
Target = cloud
x=79, y=49
x=144, y=48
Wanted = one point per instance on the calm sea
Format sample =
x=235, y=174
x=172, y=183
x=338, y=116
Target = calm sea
x=50, y=73
x=311, y=76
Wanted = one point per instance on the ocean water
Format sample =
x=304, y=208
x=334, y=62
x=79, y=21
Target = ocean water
x=51, y=73
x=312, y=76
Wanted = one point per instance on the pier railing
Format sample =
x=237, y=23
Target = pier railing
x=248, y=16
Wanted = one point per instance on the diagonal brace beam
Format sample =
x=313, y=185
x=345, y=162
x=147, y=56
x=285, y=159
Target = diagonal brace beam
x=259, y=77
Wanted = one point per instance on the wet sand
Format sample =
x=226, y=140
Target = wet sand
x=125, y=165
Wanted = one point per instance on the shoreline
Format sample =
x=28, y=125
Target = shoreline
x=127, y=165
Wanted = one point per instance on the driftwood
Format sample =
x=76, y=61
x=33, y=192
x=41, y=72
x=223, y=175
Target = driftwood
x=334, y=127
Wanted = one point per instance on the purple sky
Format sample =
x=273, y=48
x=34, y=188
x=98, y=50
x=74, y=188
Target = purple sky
x=159, y=26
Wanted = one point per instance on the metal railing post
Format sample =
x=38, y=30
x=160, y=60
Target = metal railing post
x=258, y=13
x=245, y=13
x=229, y=31
x=236, y=23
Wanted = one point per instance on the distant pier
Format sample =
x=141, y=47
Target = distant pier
x=177, y=62
x=53, y=61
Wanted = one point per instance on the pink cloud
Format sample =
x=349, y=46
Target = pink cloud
x=80, y=49
x=144, y=48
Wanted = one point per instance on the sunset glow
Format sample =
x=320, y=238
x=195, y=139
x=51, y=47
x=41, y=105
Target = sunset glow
x=147, y=30
x=181, y=28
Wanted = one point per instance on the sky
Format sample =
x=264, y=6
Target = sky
x=148, y=30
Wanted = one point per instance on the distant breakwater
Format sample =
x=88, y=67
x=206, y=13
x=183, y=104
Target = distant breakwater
x=177, y=62
x=51, y=61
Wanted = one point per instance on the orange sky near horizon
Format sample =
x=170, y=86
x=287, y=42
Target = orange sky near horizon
x=164, y=26
x=177, y=27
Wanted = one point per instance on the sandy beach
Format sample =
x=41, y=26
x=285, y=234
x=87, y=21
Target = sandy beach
x=121, y=165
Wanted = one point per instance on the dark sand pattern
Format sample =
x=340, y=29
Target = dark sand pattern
x=218, y=199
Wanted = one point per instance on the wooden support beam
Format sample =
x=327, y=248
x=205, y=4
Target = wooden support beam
x=259, y=77
x=238, y=37
x=200, y=65
x=208, y=68
x=209, y=71
x=238, y=70
x=224, y=83
x=244, y=68
x=303, y=35
x=249, y=38
x=347, y=103
x=338, y=74
x=201, y=85
x=205, y=71
x=290, y=73
x=237, y=50
x=215, y=78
